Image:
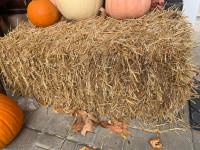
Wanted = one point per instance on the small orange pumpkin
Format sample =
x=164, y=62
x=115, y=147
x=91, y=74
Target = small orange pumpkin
x=42, y=13
x=127, y=9
x=11, y=120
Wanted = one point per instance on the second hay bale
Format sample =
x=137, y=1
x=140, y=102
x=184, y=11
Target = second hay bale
x=123, y=68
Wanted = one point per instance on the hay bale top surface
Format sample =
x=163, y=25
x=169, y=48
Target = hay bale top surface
x=124, y=68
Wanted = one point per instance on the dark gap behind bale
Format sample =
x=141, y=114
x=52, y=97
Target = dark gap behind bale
x=124, y=68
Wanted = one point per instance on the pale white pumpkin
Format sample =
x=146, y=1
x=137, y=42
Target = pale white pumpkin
x=79, y=9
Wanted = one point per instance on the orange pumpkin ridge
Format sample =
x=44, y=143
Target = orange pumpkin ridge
x=42, y=13
x=11, y=120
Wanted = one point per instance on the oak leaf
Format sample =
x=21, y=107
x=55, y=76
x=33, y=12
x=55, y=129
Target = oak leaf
x=114, y=128
x=88, y=126
x=82, y=113
x=93, y=117
x=104, y=124
x=126, y=132
x=78, y=125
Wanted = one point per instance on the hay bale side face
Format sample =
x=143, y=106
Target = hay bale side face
x=132, y=68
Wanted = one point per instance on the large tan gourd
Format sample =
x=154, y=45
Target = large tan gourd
x=79, y=9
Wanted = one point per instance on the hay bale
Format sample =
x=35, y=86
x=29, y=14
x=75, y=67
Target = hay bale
x=124, y=68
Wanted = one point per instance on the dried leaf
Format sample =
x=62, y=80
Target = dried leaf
x=73, y=111
x=93, y=117
x=78, y=125
x=124, y=124
x=88, y=127
x=82, y=113
x=116, y=122
x=124, y=136
x=116, y=129
x=104, y=124
x=43, y=103
x=126, y=132
x=92, y=146
x=84, y=148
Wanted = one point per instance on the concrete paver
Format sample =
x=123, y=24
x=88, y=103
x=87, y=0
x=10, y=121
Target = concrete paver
x=79, y=138
x=196, y=139
x=68, y=145
x=107, y=141
x=178, y=140
x=39, y=119
x=82, y=146
x=59, y=124
x=24, y=141
x=49, y=142
x=138, y=140
x=38, y=148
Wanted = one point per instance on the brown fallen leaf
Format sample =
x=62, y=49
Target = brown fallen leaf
x=82, y=113
x=92, y=146
x=88, y=126
x=117, y=126
x=73, y=111
x=93, y=116
x=104, y=124
x=79, y=123
x=116, y=129
x=116, y=122
x=124, y=124
x=43, y=103
x=126, y=132
x=84, y=148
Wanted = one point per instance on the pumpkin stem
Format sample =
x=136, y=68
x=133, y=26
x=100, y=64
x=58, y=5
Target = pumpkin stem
x=103, y=13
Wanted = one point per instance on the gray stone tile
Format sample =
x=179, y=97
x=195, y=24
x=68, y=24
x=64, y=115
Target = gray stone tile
x=68, y=145
x=47, y=141
x=38, y=148
x=196, y=139
x=82, y=146
x=59, y=124
x=39, y=119
x=112, y=141
x=177, y=140
x=27, y=115
x=24, y=141
x=138, y=140
x=79, y=138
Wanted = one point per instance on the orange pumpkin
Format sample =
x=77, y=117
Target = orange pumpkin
x=125, y=9
x=11, y=120
x=42, y=13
